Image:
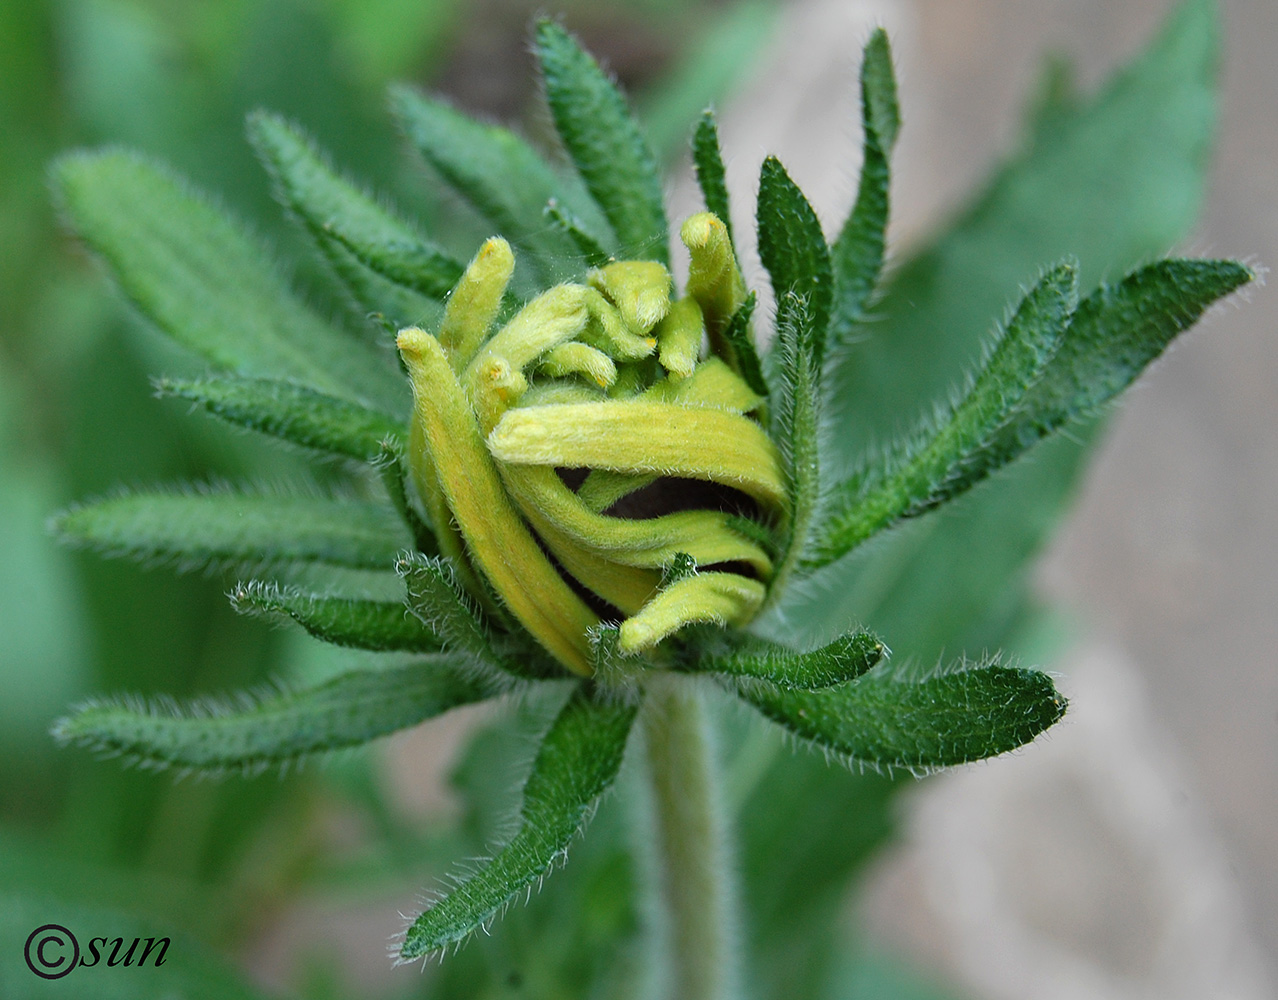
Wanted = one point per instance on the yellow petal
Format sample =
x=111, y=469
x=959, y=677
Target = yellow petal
x=635, y=435
x=722, y=598
x=497, y=539
x=473, y=304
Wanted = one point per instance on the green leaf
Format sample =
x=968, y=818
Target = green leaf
x=605, y=144
x=349, y=226
x=1116, y=332
x=943, y=459
x=887, y=720
x=739, y=337
x=497, y=172
x=792, y=248
x=360, y=623
x=1114, y=181
x=796, y=427
x=845, y=659
x=438, y=599
x=577, y=761
x=349, y=710
x=206, y=284
x=707, y=159
x=858, y=253
x=292, y=412
x=221, y=527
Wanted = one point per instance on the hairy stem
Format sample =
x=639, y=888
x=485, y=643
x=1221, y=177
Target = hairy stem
x=696, y=888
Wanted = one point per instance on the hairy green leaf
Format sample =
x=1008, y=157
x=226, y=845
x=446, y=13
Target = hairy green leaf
x=292, y=412
x=360, y=623
x=493, y=169
x=605, y=143
x=845, y=659
x=1115, y=180
x=857, y=256
x=222, y=527
x=349, y=226
x=577, y=761
x=739, y=336
x=796, y=427
x=1116, y=332
x=937, y=463
x=438, y=599
x=206, y=284
x=887, y=720
x=348, y=710
x=792, y=248
x=707, y=159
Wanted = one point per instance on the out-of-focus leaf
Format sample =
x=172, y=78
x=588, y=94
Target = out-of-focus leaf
x=350, y=227
x=292, y=412
x=220, y=527
x=349, y=710
x=202, y=281
x=605, y=143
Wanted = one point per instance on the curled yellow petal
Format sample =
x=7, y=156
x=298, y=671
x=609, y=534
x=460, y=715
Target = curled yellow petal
x=548, y=320
x=474, y=303
x=706, y=535
x=721, y=598
x=635, y=435
x=497, y=540
x=640, y=289
x=679, y=337
x=714, y=280
x=579, y=359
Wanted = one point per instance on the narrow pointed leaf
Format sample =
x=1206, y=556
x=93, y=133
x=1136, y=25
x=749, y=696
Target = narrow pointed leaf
x=293, y=412
x=858, y=253
x=360, y=623
x=349, y=710
x=793, y=249
x=796, y=425
x=707, y=159
x=605, y=143
x=221, y=527
x=842, y=660
x=938, y=462
x=739, y=336
x=577, y=761
x=497, y=172
x=196, y=275
x=349, y=226
x=1116, y=332
x=415, y=264
x=885, y=720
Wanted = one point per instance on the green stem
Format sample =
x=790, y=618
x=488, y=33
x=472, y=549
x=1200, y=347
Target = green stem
x=695, y=876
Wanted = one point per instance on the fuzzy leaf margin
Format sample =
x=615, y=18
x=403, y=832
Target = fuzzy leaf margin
x=576, y=763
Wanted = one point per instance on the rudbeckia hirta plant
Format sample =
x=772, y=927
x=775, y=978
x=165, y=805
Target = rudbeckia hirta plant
x=571, y=471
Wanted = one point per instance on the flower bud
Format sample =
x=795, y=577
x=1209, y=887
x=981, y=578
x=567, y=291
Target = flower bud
x=602, y=386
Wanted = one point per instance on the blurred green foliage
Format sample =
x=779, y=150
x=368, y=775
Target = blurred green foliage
x=219, y=861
